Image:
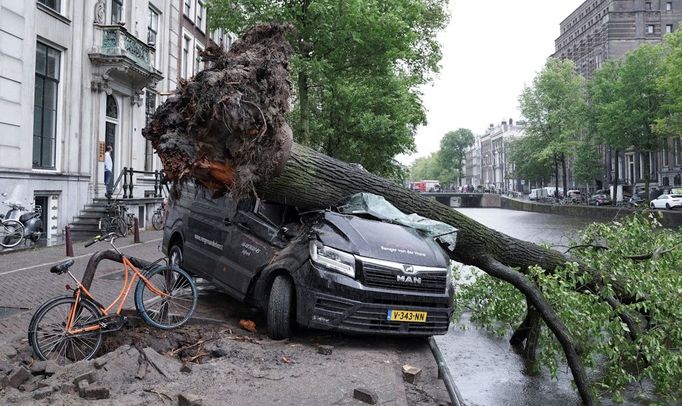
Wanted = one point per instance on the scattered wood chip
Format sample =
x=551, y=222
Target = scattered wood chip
x=247, y=325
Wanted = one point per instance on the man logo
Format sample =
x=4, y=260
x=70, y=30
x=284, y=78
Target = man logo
x=409, y=269
x=409, y=279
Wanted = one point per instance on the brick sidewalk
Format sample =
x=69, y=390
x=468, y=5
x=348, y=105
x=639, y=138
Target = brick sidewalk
x=26, y=282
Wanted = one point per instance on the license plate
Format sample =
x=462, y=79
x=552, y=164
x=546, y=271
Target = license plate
x=406, y=316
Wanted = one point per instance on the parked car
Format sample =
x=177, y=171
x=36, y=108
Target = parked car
x=331, y=270
x=666, y=201
x=574, y=196
x=600, y=198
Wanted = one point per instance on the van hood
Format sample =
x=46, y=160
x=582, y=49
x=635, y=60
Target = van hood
x=379, y=240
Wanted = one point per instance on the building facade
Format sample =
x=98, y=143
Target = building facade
x=487, y=162
x=606, y=29
x=76, y=76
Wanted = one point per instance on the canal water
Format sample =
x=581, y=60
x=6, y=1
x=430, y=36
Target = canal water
x=485, y=368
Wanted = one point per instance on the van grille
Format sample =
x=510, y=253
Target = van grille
x=387, y=278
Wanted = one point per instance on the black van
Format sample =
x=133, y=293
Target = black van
x=321, y=269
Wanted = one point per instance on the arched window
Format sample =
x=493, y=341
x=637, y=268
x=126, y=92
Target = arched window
x=112, y=107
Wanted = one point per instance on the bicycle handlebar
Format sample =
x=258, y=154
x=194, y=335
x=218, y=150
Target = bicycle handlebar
x=105, y=238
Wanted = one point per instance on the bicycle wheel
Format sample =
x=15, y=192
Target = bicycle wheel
x=170, y=311
x=48, y=336
x=104, y=225
x=11, y=233
x=120, y=226
x=157, y=221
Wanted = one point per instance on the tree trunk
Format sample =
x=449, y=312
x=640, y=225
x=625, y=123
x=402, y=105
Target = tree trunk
x=647, y=178
x=614, y=194
x=556, y=177
x=564, y=173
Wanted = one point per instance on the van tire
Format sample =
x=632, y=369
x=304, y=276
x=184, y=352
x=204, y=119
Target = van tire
x=280, y=306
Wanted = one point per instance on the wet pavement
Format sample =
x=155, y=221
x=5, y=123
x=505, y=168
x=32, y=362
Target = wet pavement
x=485, y=368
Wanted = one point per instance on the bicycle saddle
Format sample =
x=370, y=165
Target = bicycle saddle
x=61, y=267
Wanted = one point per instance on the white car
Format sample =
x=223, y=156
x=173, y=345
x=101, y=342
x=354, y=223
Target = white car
x=667, y=201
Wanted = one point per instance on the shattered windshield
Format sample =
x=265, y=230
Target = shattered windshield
x=378, y=207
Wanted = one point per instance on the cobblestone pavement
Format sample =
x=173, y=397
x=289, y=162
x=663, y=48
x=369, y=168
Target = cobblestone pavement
x=26, y=281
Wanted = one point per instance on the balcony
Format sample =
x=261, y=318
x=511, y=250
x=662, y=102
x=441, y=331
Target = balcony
x=122, y=57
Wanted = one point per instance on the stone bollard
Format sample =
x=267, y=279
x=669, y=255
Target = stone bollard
x=68, y=241
x=136, y=230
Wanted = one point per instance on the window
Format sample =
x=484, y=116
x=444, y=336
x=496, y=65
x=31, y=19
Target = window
x=45, y=106
x=647, y=5
x=152, y=26
x=668, y=28
x=200, y=15
x=669, y=6
x=188, y=7
x=185, y=56
x=198, y=65
x=677, y=150
x=665, y=154
x=150, y=107
x=116, y=11
x=53, y=4
x=650, y=29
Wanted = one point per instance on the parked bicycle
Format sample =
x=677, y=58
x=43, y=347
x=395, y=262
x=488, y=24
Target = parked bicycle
x=116, y=220
x=69, y=328
x=160, y=215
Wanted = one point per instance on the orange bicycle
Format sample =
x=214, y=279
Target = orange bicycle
x=69, y=328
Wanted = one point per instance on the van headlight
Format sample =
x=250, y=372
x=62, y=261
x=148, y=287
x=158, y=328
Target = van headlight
x=330, y=258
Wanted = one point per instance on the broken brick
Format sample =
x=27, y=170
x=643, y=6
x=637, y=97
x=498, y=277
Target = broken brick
x=366, y=395
x=18, y=376
x=411, y=374
x=325, y=349
x=186, y=399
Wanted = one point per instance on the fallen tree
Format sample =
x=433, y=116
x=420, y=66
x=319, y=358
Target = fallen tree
x=227, y=130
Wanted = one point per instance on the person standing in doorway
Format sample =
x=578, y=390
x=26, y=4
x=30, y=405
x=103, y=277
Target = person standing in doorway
x=108, y=166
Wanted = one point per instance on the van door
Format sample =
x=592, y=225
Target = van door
x=248, y=248
x=207, y=230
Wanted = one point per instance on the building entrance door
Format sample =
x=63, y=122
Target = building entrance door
x=111, y=130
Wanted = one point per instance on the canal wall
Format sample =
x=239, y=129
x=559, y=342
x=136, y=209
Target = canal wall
x=468, y=200
x=671, y=219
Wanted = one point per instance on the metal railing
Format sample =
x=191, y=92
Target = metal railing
x=116, y=40
x=125, y=183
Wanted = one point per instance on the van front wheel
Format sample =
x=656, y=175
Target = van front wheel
x=280, y=308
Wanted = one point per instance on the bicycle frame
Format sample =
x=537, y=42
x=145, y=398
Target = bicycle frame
x=120, y=300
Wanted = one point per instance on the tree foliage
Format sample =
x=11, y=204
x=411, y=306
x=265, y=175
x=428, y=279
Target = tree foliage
x=670, y=85
x=616, y=360
x=357, y=69
x=452, y=149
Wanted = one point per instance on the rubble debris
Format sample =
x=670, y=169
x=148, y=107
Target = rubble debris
x=42, y=393
x=366, y=395
x=186, y=368
x=94, y=392
x=5, y=367
x=166, y=366
x=51, y=368
x=18, y=376
x=248, y=325
x=410, y=373
x=100, y=362
x=38, y=367
x=186, y=399
x=88, y=376
x=325, y=349
x=4, y=382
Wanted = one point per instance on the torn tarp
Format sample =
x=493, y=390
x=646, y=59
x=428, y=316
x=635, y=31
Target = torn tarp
x=377, y=206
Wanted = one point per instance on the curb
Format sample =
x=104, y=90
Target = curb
x=444, y=374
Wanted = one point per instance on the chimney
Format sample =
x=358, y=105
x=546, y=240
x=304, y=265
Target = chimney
x=511, y=122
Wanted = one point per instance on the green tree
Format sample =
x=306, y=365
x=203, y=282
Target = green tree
x=670, y=84
x=530, y=161
x=626, y=102
x=357, y=68
x=555, y=107
x=452, y=151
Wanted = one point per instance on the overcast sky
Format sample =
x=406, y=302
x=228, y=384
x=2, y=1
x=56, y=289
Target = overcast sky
x=491, y=49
